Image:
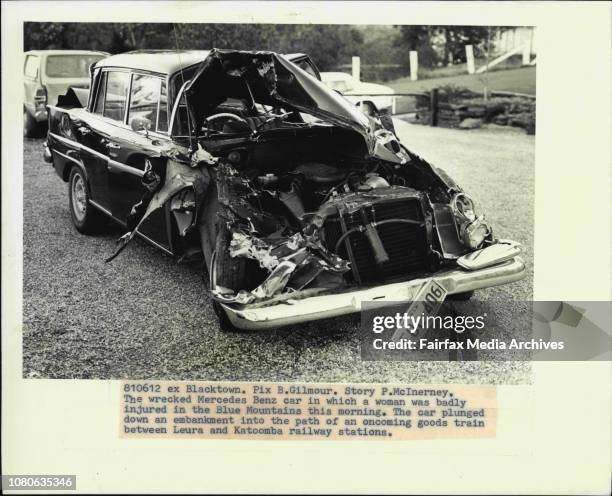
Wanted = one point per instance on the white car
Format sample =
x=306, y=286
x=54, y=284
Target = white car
x=360, y=92
x=48, y=74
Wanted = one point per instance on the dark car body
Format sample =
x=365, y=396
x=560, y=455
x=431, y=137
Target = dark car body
x=299, y=205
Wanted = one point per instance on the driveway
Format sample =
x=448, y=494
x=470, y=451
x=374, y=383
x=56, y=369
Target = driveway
x=144, y=316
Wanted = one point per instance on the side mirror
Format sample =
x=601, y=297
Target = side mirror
x=140, y=124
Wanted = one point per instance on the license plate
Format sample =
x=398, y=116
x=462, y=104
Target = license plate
x=427, y=302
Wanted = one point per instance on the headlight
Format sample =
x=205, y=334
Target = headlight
x=463, y=207
x=473, y=229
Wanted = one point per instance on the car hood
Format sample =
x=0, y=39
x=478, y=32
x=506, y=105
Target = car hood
x=270, y=79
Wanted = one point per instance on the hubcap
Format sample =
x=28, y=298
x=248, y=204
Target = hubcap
x=79, y=197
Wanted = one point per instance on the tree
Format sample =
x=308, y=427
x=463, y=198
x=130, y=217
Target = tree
x=456, y=37
x=326, y=44
x=445, y=44
x=419, y=38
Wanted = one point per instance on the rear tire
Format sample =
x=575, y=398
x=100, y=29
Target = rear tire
x=85, y=217
x=30, y=126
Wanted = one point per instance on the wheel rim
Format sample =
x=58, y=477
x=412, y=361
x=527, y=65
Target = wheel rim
x=79, y=197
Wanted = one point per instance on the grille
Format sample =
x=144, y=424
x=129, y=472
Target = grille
x=405, y=244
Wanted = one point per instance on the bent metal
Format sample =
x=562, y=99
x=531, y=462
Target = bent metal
x=298, y=205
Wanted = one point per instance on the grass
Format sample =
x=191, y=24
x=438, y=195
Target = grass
x=520, y=80
x=460, y=69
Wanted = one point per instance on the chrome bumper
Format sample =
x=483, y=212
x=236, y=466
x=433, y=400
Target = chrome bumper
x=326, y=306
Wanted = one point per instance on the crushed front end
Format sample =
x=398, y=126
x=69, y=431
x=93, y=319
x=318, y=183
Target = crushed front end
x=317, y=238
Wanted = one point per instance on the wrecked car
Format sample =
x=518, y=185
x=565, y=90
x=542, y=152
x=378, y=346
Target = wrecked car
x=299, y=205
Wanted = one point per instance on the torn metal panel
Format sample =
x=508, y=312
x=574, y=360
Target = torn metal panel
x=243, y=245
x=293, y=262
x=179, y=177
x=151, y=181
x=276, y=281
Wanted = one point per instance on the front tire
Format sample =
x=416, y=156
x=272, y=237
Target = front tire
x=85, y=217
x=225, y=324
x=230, y=273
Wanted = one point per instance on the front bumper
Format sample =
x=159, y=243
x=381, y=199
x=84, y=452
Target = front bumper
x=326, y=306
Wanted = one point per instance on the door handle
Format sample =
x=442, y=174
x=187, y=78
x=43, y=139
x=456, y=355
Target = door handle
x=113, y=146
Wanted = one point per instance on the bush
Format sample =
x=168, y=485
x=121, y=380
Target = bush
x=457, y=104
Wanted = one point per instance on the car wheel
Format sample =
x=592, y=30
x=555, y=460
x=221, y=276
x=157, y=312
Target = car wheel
x=225, y=324
x=84, y=216
x=229, y=273
x=30, y=127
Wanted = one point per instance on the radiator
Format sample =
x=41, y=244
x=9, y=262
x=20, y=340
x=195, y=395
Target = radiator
x=405, y=244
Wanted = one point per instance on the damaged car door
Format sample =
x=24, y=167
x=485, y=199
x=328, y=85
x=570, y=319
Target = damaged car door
x=129, y=150
x=93, y=129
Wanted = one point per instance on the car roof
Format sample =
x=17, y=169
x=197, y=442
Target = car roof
x=162, y=61
x=65, y=52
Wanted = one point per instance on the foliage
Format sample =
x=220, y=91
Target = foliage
x=328, y=44
x=445, y=44
x=452, y=92
x=418, y=38
x=383, y=49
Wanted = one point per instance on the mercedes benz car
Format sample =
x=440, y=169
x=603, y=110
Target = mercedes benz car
x=299, y=206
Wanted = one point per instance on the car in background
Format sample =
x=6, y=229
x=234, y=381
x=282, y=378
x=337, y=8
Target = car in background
x=48, y=74
x=364, y=95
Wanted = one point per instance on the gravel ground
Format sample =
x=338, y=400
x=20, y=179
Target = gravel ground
x=145, y=317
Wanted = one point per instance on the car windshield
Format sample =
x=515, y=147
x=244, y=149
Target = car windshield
x=70, y=65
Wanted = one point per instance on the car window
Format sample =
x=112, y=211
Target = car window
x=31, y=66
x=99, y=107
x=75, y=66
x=144, y=99
x=181, y=124
x=115, y=98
